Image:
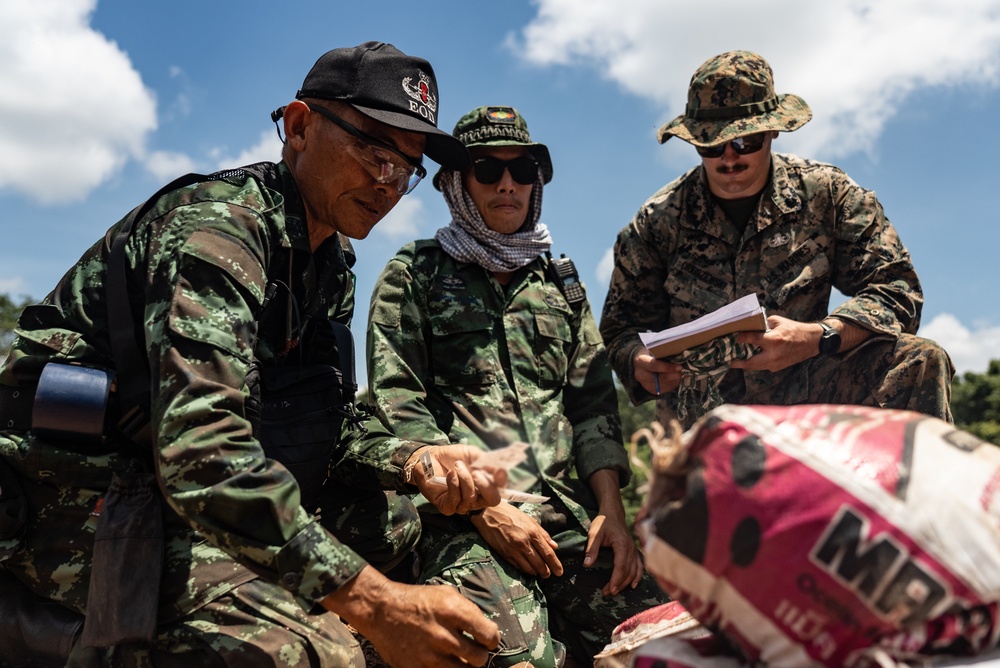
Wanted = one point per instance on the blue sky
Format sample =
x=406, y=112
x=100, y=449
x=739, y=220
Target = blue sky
x=103, y=101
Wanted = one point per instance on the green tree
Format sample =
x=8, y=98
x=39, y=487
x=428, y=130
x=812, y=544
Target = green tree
x=9, y=312
x=975, y=402
x=635, y=418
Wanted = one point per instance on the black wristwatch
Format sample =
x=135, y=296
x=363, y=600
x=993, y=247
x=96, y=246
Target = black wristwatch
x=829, y=341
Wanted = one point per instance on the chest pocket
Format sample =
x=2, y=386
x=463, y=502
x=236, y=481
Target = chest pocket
x=462, y=351
x=552, y=342
x=790, y=273
x=694, y=292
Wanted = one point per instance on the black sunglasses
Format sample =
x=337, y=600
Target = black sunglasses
x=367, y=138
x=489, y=170
x=742, y=146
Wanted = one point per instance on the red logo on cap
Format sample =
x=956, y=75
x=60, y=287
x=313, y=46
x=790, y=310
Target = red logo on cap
x=421, y=92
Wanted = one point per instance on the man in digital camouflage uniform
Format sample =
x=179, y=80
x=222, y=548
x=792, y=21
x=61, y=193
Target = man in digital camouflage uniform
x=249, y=576
x=471, y=340
x=748, y=220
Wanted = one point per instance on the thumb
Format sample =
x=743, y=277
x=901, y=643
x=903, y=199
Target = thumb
x=593, y=544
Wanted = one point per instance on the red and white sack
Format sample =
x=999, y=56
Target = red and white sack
x=832, y=535
x=665, y=636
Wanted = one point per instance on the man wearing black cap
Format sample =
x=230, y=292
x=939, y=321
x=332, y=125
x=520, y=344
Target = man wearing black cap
x=479, y=336
x=790, y=230
x=234, y=286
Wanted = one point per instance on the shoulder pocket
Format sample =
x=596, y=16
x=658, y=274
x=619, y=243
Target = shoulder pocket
x=219, y=286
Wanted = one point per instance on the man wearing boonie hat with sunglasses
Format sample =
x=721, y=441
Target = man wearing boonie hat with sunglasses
x=222, y=282
x=748, y=220
x=479, y=336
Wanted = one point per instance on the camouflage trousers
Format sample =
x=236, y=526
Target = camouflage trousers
x=256, y=623
x=539, y=619
x=908, y=372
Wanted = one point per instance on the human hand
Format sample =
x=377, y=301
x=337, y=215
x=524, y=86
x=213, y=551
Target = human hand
x=611, y=530
x=519, y=539
x=655, y=375
x=419, y=626
x=468, y=486
x=787, y=342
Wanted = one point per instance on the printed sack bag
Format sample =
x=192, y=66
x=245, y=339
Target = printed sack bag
x=665, y=636
x=830, y=535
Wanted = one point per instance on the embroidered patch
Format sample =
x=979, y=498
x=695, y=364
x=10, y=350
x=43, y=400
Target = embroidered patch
x=554, y=300
x=452, y=283
x=501, y=115
x=423, y=101
x=779, y=239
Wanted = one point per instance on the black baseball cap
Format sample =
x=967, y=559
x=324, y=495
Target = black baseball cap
x=382, y=82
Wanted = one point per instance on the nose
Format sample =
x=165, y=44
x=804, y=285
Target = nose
x=387, y=189
x=729, y=155
x=506, y=182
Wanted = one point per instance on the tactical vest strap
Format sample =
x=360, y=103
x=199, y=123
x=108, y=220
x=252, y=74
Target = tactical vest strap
x=133, y=380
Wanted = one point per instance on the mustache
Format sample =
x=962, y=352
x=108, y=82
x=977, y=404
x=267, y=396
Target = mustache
x=724, y=169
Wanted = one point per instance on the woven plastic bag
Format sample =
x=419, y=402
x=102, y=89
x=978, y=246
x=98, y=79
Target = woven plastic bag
x=830, y=535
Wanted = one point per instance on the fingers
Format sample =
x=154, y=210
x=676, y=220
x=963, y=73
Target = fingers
x=466, y=620
x=449, y=630
x=487, y=489
x=546, y=560
x=621, y=572
x=637, y=571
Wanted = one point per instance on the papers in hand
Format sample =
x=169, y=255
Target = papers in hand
x=506, y=458
x=743, y=315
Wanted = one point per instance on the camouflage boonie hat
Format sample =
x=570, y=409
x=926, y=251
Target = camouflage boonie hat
x=732, y=95
x=499, y=126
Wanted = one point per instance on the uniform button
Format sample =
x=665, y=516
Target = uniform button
x=876, y=311
x=291, y=581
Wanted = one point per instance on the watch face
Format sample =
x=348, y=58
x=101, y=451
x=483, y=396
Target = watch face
x=829, y=343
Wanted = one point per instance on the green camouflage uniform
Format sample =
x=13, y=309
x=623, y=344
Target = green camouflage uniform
x=245, y=564
x=454, y=357
x=814, y=229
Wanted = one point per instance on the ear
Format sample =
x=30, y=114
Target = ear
x=297, y=118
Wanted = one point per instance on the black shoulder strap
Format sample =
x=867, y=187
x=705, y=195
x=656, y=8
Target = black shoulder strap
x=131, y=365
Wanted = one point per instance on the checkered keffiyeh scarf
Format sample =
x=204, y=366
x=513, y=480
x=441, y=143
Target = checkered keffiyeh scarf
x=703, y=369
x=468, y=239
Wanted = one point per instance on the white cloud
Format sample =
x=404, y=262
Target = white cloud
x=970, y=350
x=403, y=222
x=267, y=148
x=13, y=286
x=167, y=165
x=854, y=61
x=606, y=266
x=72, y=107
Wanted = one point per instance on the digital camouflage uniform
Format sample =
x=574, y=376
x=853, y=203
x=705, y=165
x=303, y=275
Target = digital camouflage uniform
x=454, y=357
x=813, y=230
x=245, y=564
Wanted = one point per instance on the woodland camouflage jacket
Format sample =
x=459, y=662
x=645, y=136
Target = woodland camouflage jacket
x=198, y=265
x=814, y=230
x=454, y=357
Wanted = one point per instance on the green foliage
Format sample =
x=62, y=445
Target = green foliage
x=635, y=418
x=9, y=313
x=975, y=402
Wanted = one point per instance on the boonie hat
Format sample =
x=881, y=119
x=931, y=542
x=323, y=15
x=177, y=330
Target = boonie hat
x=384, y=83
x=499, y=126
x=732, y=95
